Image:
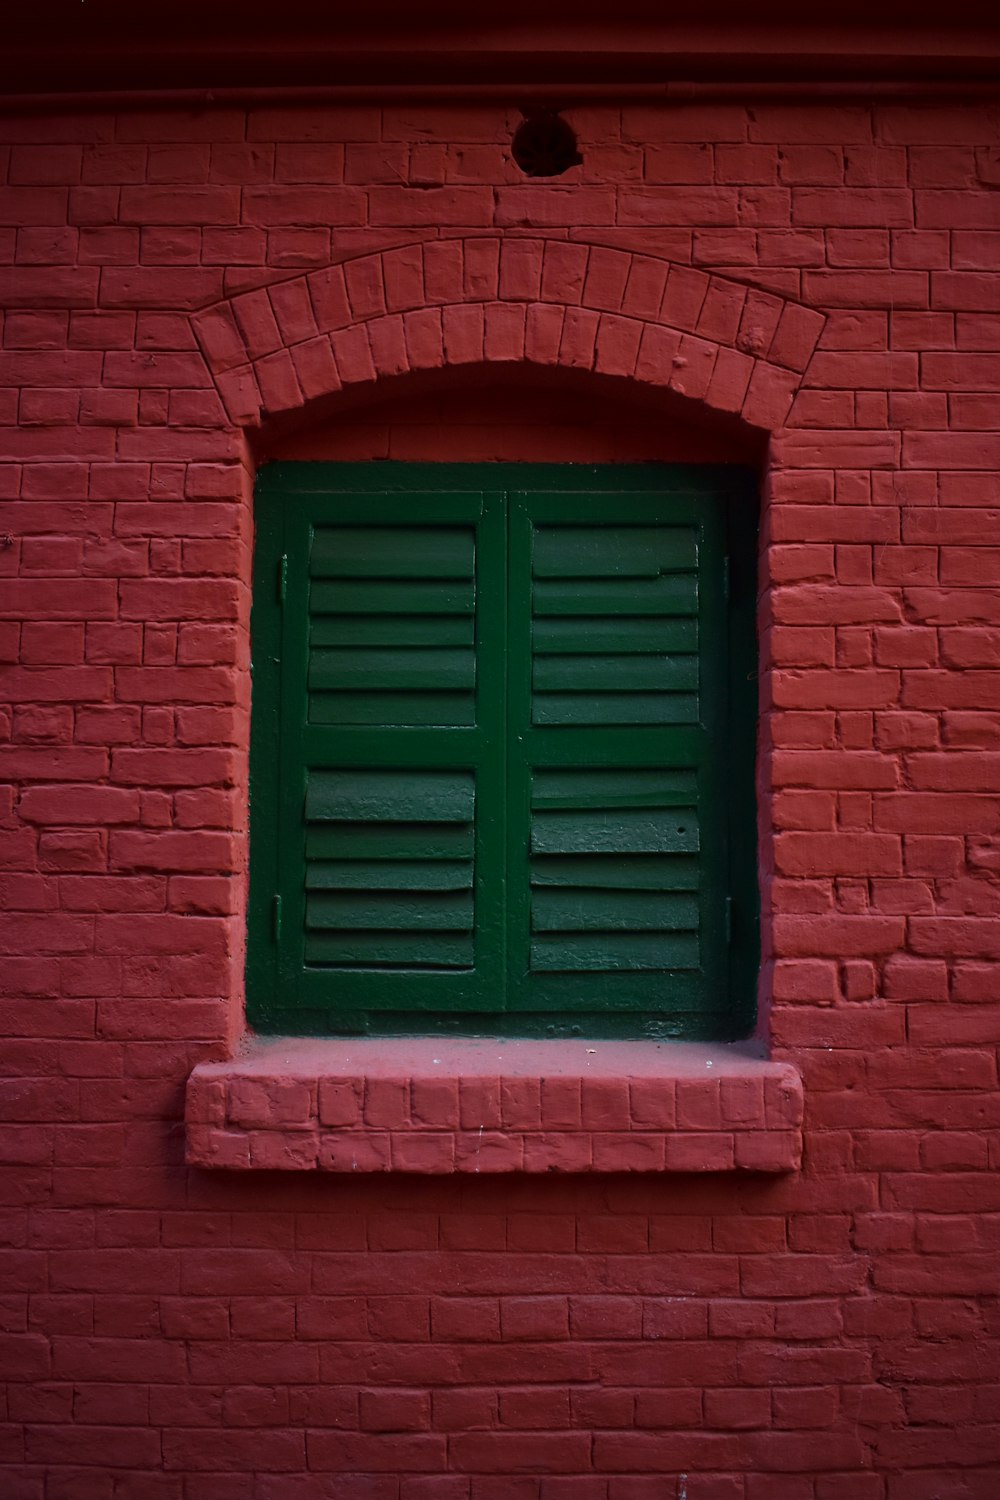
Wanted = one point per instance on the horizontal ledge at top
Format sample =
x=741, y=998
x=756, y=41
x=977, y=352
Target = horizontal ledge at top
x=947, y=80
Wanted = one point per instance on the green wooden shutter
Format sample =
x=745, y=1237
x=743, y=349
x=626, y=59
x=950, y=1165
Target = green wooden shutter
x=497, y=783
x=387, y=758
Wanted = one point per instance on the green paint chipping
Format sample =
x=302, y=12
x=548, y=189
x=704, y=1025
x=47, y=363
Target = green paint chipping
x=502, y=751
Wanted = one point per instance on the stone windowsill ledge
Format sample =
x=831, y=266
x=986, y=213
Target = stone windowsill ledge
x=425, y=1105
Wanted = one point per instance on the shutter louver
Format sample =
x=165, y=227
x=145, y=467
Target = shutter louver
x=614, y=643
x=615, y=629
x=389, y=866
x=614, y=873
x=392, y=625
x=617, y=721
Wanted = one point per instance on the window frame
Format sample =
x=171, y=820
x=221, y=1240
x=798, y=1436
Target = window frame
x=284, y=485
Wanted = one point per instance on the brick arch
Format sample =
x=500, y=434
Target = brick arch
x=494, y=299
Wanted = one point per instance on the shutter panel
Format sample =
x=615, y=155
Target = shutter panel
x=621, y=717
x=389, y=750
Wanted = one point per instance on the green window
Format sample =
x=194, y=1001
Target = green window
x=503, y=746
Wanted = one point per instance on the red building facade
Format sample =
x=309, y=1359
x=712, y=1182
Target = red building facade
x=778, y=1279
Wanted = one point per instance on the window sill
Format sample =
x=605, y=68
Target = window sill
x=420, y=1105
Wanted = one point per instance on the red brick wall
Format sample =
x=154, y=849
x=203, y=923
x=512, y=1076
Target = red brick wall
x=827, y=1336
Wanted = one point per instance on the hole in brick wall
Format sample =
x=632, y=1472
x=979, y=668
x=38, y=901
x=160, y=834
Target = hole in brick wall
x=544, y=145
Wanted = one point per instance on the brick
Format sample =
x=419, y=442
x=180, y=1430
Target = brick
x=617, y=345
x=965, y=291
x=859, y=936
x=273, y=206
x=503, y=332
x=156, y=287
x=544, y=207
x=220, y=337
x=184, y=599
x=973, y=249
x=838, y=854
x=683, y=163
x=259, y=1104
x=956, y=209
x=721, y=311
x=959, y=372
x=769, y=396
x=699, y=1151
x=171, y=850
x=520, y=271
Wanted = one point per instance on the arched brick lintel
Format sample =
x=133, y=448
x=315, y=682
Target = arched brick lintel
x=490, y=299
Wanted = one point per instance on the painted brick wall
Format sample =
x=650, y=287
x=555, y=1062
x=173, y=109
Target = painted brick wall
x=826, y=275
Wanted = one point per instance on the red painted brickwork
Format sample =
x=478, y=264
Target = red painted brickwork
x=818, y=281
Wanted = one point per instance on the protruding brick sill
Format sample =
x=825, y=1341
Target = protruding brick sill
x=468, y=1105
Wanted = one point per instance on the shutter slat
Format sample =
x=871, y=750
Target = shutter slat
x=615, y=674
x=392, y=552
x=391, y=796
x=607, y=952
x=613, y=708
x=444, y=911
x=391, y=598
x=618, y=831
x=588, y=911
x=674, y=594
x=613, y=552
x=641, y=633
x=400, y=670
x=551, y=788
x=430, y=841
x=393, y=630
x=389, y=875
x=384, y=950
x=412, y=710
x=605, y=872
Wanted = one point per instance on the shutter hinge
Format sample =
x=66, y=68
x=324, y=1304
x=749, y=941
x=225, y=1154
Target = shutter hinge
x=729, y=920
x=276, y=917
x=282, y=577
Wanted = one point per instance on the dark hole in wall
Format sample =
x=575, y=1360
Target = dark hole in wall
x=544, y=145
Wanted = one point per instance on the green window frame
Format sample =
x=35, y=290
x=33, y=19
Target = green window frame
x=502, y=751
